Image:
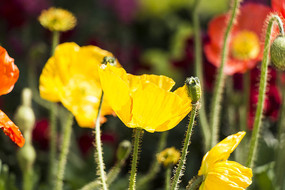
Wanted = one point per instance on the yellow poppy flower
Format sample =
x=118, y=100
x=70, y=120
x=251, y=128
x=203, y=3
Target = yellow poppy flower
x=144, y=101
x=221, y=174
x=168, y=156
x=71, y=77
x=57, y=19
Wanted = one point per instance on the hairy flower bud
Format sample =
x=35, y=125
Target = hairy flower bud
x=194, y=88
x=26, y=157
x=25, y=117
x=169, y=156
x=110, y=60
x=277, y=52
x=124, y=150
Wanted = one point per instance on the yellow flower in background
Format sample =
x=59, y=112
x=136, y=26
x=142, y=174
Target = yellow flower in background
x=168, y=156
x=221, y=174
x=71, y=77
x=144, y=101
x=57, y=19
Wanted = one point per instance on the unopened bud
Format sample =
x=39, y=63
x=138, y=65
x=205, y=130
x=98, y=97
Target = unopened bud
x=277, y=52
x=110, y=60
x=169, y=156
x=194, y=89
x=124, y=150
x=25, y=117
x=26, y=157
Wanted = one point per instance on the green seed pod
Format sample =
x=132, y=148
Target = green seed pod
x=194, y=89
x=277, y=52
x=124, y=150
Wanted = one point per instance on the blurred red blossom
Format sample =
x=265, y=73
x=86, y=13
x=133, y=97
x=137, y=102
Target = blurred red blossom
x=41, y=134
x=245, y=42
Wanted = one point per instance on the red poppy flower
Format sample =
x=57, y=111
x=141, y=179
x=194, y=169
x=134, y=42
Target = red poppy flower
x=9, y=74
x=245, y=42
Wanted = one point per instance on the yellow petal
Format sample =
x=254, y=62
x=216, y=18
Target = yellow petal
x=228, y=175
x=66, y=56
x=50, y=83
x=181, y=111
x=116, y=90
x=154, y=106
x=161, y=81
x=220, y=152
x=81, y=96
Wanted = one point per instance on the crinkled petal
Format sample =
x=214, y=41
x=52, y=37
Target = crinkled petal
x=81, y=96
x=9, y=72
x=161, y=81
x=154, y=108
x=11, y=130
x=253, y=10
x=220, y=152
x=114, y=83
x=227, y=175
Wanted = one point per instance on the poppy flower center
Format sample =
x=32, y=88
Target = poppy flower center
x=245, y=45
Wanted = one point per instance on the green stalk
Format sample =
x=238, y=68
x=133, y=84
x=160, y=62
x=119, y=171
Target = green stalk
x=67, y=130
x=262, y=89
x=53, y=143
x=179, y=170
x=28, y=179
x=53, y=123
x=155, y=166
x=280, y=150
x=99, y=151
x=195, y=183
x=137, y=139
x=245, y=105
x=55, y=41
x=167, y=177
x=111, y=176
x=220, y=80
x=199, y=73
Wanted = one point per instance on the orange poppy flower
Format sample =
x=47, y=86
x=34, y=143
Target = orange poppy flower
x=9, y=74
x=245, y=42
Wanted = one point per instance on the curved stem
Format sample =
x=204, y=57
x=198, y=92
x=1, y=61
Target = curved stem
x=67, y=129
x=99, y=151
x=195, y=183
x=220, y=80
x=262, y=89
x=167, y=177
x=155, y=166
x=199, y=72
x=111, y=176
x=137, y=138
x=179, y=170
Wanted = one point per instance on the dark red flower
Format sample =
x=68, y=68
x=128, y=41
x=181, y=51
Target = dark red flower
x=41, y=133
